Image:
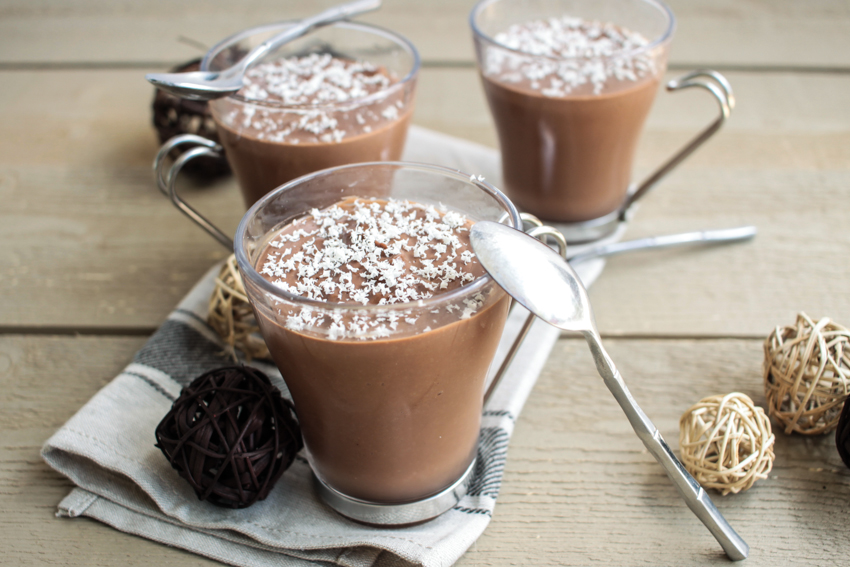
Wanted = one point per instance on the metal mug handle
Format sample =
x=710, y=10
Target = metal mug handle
x=166, y=182
x=541, y=232
x=716, y=84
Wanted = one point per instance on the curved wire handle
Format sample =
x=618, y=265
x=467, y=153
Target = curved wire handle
x=719, y=87
x=541, y=232
x=166, y=182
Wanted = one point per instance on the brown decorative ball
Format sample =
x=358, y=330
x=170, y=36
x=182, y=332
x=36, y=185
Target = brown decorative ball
x=231, y=316
x=726, y=442
x=173, y=116
x=842, y=434
x=231, y=435
x=807, y=374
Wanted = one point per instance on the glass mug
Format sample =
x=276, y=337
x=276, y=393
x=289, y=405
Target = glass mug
x=569, y=126
x=268, y=143
x=390, y=421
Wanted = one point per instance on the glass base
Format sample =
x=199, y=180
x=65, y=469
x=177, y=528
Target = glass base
x=395, y=514
x=588, y=231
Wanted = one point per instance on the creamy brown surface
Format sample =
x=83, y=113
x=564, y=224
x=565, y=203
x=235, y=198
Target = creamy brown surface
x=326, y=121
x=568, y=130
x=390, y=402
x=568, y=159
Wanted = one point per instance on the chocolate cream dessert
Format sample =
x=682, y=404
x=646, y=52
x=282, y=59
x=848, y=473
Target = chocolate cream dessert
x=569, y=111
x=298, y=115
x=388, y=375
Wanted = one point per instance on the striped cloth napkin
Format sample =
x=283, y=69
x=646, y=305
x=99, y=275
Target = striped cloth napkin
x=107, y=448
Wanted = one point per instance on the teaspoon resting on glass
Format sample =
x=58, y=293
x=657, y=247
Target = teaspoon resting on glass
x=209, y=85
x=539, y=279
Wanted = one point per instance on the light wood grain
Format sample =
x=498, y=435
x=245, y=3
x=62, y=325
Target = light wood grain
x=43, y=382
x=579, y=488
x=728, y=32
x=91, y=244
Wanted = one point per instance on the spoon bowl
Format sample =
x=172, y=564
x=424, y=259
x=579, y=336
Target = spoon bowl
x=210, y=85
x=196, y=85
x=543, y=282
x=552, y=279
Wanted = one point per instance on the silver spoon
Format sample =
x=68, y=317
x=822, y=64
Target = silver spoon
x=539, y=278
x=667, y=241
x=208, y=85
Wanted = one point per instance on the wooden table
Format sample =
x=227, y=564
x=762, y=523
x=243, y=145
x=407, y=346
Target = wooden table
x=93, y=259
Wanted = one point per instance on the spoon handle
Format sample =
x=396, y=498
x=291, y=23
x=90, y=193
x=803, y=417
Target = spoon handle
x=690, y=490
x=324, y=18
x=699, y=237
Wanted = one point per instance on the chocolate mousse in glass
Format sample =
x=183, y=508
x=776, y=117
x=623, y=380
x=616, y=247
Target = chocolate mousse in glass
x=341, y=94
x=383, y=325
x=570, y=84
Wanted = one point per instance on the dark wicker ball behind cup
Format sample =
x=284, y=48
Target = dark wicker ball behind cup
x=173, y=116
x=231, y=435
x=842, y=433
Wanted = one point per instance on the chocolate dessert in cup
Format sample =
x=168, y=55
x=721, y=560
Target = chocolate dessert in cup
x=383, y=325
x=570, y=84
x=342, y=94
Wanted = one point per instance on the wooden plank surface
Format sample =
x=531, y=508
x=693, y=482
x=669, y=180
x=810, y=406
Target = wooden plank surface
x=579, y=488
x=43, y=382
x=773, y=33
x=92, y=245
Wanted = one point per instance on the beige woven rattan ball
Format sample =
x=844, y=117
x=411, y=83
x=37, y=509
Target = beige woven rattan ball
x=231, y=316
x=807, y=374
x=726, y=442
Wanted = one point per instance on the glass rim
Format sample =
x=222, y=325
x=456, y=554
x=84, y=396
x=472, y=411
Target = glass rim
x=368, y=99
x=248, y=270
x=663, y=8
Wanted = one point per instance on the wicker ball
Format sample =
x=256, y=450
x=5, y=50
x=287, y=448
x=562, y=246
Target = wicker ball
x=231, y=315
x=173, y=116
x=842, y=434
x=807, y=374
x=726, y=442
x=231, y=435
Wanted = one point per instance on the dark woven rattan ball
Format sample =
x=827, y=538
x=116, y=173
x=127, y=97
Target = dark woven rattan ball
x=842, y=434
x=231, y=435
x=173, y=116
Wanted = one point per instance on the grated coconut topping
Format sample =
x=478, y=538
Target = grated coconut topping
x=315, y=79
x=379, y=252
x=584, y=55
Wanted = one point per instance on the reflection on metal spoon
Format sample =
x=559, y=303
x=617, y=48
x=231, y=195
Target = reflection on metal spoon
x=699, y=237
x=539, y=279
x=209, y=85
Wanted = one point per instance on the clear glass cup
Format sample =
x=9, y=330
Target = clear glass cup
x=567, y=152
x=391, y=415
x=269, y=143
